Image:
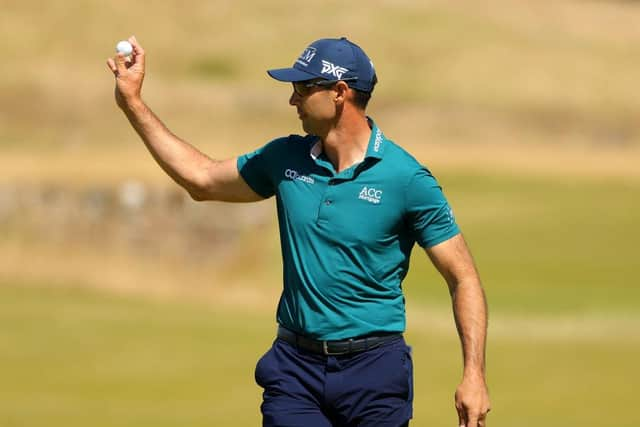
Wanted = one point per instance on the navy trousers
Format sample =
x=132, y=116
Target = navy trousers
x=366, y=389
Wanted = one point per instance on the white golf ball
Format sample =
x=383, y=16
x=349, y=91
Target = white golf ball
x=124, y=47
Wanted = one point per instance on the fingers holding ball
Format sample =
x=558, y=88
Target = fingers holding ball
x=124, y=47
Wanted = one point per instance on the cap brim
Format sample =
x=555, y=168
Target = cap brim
x=290, y=75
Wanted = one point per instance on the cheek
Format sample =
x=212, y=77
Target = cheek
x=320, y=106
x=323, y=108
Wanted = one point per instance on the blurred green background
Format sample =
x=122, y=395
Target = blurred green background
x=122, y=303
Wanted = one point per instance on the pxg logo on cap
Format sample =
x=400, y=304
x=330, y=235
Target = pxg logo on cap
x=331, y=59
x=332, y=69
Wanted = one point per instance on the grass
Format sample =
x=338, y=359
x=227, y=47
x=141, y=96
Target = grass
x=556, y=261
x=544, y=244
x=70, y=354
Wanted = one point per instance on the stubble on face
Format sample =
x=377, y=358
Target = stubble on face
x=316, y=111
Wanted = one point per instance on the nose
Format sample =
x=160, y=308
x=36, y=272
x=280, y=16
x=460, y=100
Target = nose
x=294, y=98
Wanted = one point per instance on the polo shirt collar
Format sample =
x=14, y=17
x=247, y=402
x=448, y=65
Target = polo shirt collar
x=377, y=141
x=375, y=148
x=316, y=149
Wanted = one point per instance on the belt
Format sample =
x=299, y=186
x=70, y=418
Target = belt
x=335, y=348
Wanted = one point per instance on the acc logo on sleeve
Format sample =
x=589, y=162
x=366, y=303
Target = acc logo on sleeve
x=370, y=194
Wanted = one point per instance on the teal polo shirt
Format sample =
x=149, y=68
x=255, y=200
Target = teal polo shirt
x=346, y=237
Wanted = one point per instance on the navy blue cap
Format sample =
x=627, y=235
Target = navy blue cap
x=331, y=59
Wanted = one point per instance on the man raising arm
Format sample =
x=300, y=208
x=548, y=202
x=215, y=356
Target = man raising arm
x=340, y=358
x=203, y=177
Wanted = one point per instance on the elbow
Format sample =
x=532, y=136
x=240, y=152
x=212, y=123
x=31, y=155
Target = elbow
x=196, y=186
x=196, y=191
x=202, y=186
x=196, y=195
x=200, y=192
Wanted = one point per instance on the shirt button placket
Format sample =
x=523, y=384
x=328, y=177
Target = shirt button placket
x=327, y=201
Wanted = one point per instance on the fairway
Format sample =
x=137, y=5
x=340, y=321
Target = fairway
x=68, y=354
x=554, y=257
x=545, y=244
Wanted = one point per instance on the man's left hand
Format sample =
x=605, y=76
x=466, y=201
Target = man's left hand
x=472, y=402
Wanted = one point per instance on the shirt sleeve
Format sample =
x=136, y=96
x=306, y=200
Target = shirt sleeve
x=429, y=214
x=257, y=167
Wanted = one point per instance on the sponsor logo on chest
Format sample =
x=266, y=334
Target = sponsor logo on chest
x=370, y=194
x=295, y=176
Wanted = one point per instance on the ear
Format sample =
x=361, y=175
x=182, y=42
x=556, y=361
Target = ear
x=341, y=92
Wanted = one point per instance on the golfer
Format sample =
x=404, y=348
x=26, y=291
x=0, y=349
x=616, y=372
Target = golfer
x=351, y=205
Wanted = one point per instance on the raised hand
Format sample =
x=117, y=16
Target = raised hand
x=129, y=74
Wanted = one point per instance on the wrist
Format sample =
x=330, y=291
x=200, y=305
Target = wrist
x=473, y=373
x=131, y=104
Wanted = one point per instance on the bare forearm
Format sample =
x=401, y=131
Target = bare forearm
x=453, y=259
x=202, y=177
x=180, y=160
x=470, y=311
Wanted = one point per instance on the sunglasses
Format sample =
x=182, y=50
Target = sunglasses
x=304, y=88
